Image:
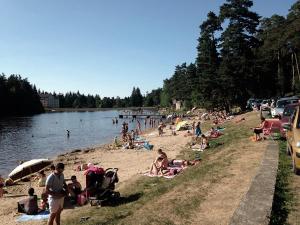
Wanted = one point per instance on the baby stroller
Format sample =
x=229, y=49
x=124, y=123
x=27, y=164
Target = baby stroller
x=100, y=186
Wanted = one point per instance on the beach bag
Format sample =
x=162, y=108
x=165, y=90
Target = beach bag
x=81, y=199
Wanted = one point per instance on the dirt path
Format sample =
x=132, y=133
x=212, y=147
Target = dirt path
x=224, y=197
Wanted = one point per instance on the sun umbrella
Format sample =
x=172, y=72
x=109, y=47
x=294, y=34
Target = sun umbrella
x=28, y=168
x=180, y=125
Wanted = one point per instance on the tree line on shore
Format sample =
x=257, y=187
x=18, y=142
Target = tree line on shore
x=18, y=97
x=78, y=100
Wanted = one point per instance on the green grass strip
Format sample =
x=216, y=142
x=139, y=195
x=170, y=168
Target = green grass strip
x=283, y=196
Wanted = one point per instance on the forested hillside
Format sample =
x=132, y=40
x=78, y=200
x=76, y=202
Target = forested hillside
x=18, y=97
x=239, y=55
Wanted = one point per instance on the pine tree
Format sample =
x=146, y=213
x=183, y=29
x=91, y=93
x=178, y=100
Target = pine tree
x=238, y=42
x=207, y=92
x=136, y=98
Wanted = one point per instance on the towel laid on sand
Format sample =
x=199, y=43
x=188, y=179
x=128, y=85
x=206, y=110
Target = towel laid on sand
x=44, y=215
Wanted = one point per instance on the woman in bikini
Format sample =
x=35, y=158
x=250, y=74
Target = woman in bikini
x=160, y=163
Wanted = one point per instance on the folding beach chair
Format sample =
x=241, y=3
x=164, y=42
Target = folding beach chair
x=267, y=130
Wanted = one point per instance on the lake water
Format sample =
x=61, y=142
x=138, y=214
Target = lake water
x=45, y=136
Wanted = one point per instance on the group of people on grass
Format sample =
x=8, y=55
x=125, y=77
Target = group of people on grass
x=218, y=117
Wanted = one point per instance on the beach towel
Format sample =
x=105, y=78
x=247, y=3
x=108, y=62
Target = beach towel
x=44, y=215
x=215, y=135
x=148, y=146
x=197, y=149
x=165, y=176
x=139, y=139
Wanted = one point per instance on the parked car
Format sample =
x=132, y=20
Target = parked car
x=281, y=103
x=286, y=116
x=257, y=103
x=293, y=139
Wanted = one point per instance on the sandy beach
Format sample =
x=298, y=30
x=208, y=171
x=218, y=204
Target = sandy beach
x=130, y=162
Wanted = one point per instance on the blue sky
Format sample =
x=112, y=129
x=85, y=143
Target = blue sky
x=104, y=47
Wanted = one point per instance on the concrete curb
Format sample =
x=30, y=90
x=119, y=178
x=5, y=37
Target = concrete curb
x=255, y=208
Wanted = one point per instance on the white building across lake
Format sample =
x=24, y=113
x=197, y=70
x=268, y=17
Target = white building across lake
x=49, y=101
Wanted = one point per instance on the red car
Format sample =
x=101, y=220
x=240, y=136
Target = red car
x=285, y=119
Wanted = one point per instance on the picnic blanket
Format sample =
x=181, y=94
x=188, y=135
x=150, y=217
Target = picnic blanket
x=43, y=215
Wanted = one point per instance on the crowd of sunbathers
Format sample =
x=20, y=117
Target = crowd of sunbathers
x=218, y=117
x=133, y=140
